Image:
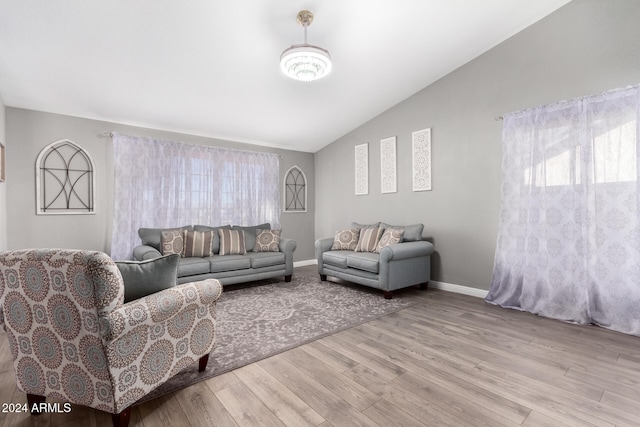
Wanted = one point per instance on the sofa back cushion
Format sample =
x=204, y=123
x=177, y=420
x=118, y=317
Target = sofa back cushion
x=250, y=234
x=215, y=243
x=153, y=236
x=412, y=233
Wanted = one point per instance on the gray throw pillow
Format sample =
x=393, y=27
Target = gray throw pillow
x=142, y=278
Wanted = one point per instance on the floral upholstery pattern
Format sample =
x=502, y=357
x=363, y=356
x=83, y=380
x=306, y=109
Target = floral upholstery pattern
x=72, y=337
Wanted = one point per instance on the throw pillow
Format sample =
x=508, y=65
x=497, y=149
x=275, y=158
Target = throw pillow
x=346, y=240
x=153, y=236
x=197, y=243
x=172, y=242
x=215, y=245
x=391, y=236
x=142, y=278
x=369, y=239
x=250, y=234
x=232, y=242
x=267, y=241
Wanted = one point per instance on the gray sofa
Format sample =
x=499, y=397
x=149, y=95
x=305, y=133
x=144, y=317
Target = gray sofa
x=392, y=267
x=228, y=269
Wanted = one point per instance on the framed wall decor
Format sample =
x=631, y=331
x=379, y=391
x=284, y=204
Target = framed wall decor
x=362, y=169
x=388, y=183
x=421, y=151
x=2, y=163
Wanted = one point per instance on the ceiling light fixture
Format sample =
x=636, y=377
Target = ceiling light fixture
x=305, y=62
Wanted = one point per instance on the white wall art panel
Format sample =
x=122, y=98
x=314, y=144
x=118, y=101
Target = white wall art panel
x=421, y=148
x=362, y=169
x=388, y=183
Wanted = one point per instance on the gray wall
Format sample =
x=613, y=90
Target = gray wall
x=586, y=47
x=3, y=185
x=30, y=131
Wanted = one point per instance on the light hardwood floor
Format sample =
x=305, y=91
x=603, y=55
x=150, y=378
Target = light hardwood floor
x=450, y=360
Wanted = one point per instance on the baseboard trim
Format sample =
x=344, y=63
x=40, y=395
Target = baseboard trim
x=304, y=263
x=458, y=289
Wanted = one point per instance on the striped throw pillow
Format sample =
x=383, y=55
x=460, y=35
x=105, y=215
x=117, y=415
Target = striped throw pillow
x=197, y=243
x=231, y=242
x=369, y=239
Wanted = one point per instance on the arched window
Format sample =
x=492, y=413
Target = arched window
x=295, y=190
x=65, y=180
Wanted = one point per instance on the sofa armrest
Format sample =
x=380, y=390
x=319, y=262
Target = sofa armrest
x=142, y=252
x=288, y=245
x=406, y=250
x=323, y=245
x=160, y=307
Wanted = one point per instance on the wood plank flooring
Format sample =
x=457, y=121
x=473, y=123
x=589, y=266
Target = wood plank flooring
x=450, y=360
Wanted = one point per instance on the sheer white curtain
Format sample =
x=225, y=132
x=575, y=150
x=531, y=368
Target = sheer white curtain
x=162, y=184
x=569, y=237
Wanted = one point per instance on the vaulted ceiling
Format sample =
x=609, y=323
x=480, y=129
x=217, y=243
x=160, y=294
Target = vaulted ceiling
x=211, y=67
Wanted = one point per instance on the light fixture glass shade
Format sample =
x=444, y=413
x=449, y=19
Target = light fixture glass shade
x=305, y=62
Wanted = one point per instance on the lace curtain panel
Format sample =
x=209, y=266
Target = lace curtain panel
x=569, y=237
x=163, y=184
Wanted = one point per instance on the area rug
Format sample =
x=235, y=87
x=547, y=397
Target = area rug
x=272, y=316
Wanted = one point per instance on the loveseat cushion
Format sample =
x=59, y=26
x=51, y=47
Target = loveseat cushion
x=366, y=261
x=265, y=259
x=412, y=233
x=336, y=258
x=191, y=266
x=220, y=263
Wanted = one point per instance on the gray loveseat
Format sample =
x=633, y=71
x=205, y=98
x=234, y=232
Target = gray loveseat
x=380, y=255
x=228, y=268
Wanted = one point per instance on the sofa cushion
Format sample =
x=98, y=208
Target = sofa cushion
x=197, y=243
x=267, y=241
x=412, y=233
x=153, y=236
x=366, y=261
x=346, y=240
x=336, y=258
x=250, y=234
x=232, y=242
x=191, y=266
x=219, y=263
x=391, y=236
x=142, y=278
x=369, y=238
x=172, y=242
x=215, y=244
x=265, y=259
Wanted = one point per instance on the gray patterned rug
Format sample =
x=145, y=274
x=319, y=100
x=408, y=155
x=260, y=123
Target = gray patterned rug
x=271, y=316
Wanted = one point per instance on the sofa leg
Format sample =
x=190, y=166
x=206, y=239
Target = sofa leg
x=121, y=419
x=424, y=286
x=388, y=294
x=287, y=278
x=202, y=365
x=323, y=277
x=34, y=401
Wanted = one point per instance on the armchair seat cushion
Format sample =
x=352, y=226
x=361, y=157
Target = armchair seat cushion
x=366, y=261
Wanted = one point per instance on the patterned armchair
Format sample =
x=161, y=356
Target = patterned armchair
x=71, y=336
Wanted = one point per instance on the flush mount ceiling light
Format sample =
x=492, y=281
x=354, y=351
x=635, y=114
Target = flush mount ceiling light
x=305, y=62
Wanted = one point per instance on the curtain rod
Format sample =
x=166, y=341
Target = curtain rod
x=108, y=134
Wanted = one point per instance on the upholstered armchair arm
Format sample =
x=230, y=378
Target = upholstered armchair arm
x=406, y=250
x=142, y=252
x=159, y=307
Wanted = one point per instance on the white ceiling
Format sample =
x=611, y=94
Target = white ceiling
x=211, y=67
